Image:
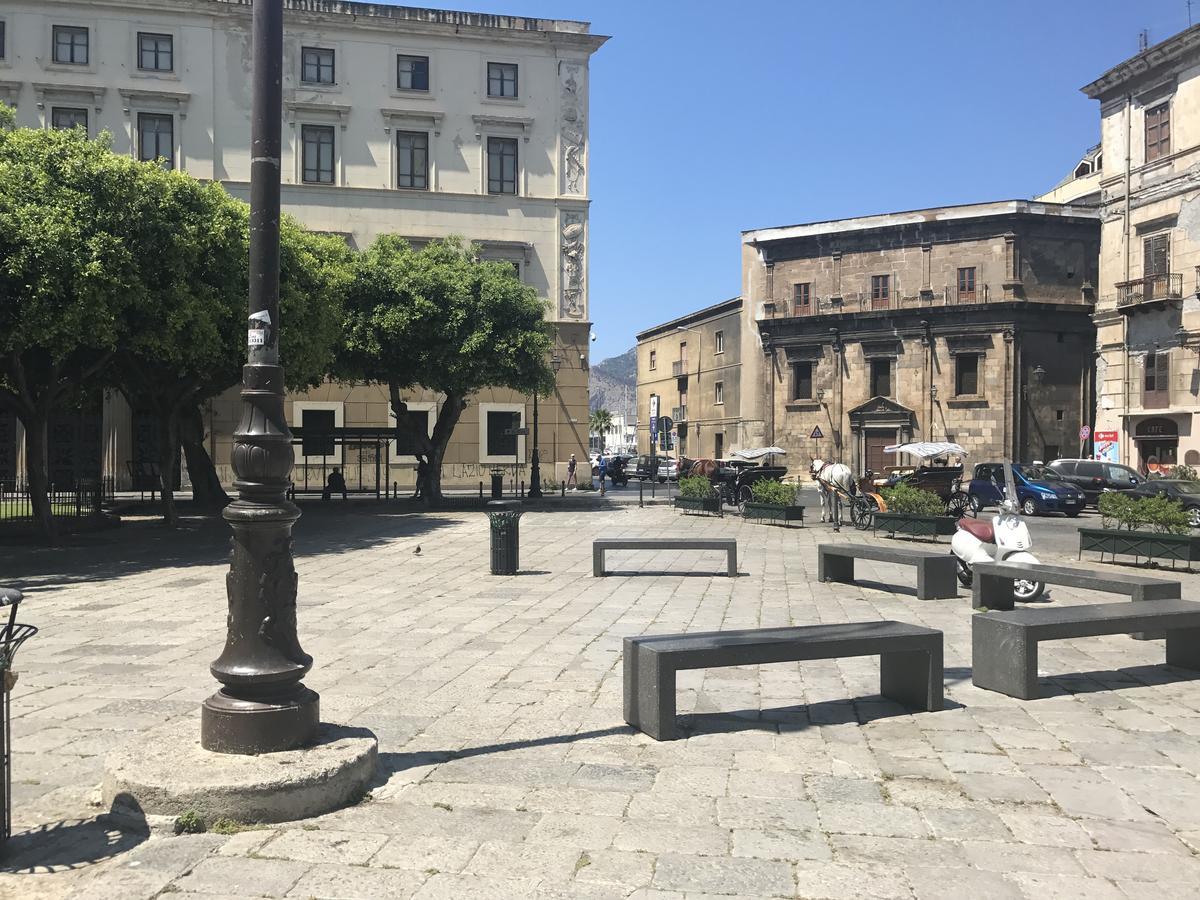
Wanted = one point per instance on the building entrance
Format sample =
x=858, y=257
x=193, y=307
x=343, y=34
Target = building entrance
x=1158, y=445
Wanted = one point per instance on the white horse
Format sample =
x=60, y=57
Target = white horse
x=831, y=478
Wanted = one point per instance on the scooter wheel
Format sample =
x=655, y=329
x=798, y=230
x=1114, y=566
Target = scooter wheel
x=964, y=573
x=1027, y=591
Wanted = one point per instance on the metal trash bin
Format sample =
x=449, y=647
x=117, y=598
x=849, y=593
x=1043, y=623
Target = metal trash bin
x=504, y=517
x=497, y=484
x=12, y=636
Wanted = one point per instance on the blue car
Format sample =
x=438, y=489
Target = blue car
x=1039, y=490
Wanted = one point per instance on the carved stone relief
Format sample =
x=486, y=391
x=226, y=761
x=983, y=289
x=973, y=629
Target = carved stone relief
x=572, y=304
x=571, y=78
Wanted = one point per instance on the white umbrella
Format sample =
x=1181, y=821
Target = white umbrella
x=759, y=452
x=927, y=449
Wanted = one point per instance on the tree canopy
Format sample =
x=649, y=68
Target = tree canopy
x=441, y=319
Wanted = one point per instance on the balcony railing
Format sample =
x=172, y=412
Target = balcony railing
x=1150, y=288
x=679, y=413
x=679, y=367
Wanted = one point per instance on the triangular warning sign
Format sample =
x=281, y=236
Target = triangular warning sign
x=816, y=432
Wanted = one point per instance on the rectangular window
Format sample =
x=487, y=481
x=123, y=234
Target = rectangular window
x=1156, y=255
x=316, y=65
x=502, y=165
x=966, y=285
x=156, y=138
x=317, y=428
x=881, y=377
x=70, y=45
x=499, y=443
x=653, y=359
x=719, y=392
x=881, y=292
x=406, y=445
x=1158, y=132
x=3, y=41
x=966, y=375
x=63, y=117
x=412, y=73
x=720, y=341
x=412, y=154
x=156, y=52
x=802, y=298
x=802, y=381
x=502, y=79
x=1156, y=381
x=316, y=154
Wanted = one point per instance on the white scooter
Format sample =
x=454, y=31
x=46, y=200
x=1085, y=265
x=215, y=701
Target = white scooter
x=1005, y=539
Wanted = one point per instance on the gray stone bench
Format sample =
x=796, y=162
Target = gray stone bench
x=600, y=547
x=1004, y=644
x=910, y=662
x=993, y=583
x=936, y=577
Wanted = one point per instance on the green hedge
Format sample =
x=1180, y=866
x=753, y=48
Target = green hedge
x=1165, y=516
x=695, y=488
x=775, y=492
x=905, y=499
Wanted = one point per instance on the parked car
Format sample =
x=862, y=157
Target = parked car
x=1185, y=493
x=1094, y=477
x=645, y=467
x=668, y=470
x=1039, y=490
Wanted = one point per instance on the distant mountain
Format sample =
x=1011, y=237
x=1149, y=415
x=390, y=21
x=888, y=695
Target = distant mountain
x=614, y=383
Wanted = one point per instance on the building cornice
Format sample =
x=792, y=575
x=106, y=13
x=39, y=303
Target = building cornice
x=693, y=318
x=1163, y=54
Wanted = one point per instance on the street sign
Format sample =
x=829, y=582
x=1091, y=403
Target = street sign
x=653, y=422
x=816, y=432
x=1085, y=432
x=516, y=432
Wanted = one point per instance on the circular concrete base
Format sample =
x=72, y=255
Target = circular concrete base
x=166, y=772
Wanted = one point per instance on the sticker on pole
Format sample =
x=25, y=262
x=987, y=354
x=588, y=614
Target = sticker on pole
x=816, y=432
x=256, y=337
x=1085, y=432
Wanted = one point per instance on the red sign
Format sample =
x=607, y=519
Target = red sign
x=1102, y=436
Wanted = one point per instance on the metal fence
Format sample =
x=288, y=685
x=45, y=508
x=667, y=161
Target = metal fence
x=67, y=501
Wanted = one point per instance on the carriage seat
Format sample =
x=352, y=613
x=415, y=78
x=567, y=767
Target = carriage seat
x=981, y=528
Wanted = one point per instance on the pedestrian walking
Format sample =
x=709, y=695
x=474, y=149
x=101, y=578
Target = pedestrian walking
x=571, y=464
x=422, y=477
x=603, y=466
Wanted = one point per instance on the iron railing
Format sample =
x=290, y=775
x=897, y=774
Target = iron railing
x=1149, y=288
x=67, y=501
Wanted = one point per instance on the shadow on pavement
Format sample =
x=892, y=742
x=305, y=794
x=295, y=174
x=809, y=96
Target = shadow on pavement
x=72, y=843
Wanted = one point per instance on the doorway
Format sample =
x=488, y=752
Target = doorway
x=874, y=440
x=718, y=445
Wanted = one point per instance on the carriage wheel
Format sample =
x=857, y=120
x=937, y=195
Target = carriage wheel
x=862, y=511
x=744, y=496
x=959, y=505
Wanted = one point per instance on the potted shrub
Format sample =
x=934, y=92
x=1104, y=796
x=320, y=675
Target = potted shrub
x=914, y=512
x=698, y=495
x=773, y=501
x=1150, y=527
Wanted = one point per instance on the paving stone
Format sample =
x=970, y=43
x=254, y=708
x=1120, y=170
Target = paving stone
x=663, y=837
x=997, y=857
x=840, y=881
x=1140, y=866
x=872, y=818
x=935, y=883
x=575, y=830
x=1045, y=829
x=1065, y=887
x=356, y=883
x=755, y=812
x=341, y=847
x=753, y=877
x=780, y=843
x=966, y=824
x=615, y=867
x=240, y=875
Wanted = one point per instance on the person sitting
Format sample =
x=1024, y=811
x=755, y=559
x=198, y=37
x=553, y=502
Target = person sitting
x=335, y=484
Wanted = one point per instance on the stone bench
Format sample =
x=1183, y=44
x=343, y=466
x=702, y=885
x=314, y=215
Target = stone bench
x=936, y=578
x=600, y=547
x=993, y=583
x=910, y=662
x=1004, y=644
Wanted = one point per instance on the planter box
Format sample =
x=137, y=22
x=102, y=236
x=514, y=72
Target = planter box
x=913, y=526
x=1148, y=544
x=703, y=504
x=773, y=512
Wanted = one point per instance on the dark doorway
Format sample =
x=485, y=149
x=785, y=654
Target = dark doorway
x=73, y=446
x=874, y=440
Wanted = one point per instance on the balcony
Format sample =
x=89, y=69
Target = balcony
x=1149, y=289
x=679, y=368
x=679, y=414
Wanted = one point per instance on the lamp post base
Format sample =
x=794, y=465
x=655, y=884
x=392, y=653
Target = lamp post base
x=229, y=724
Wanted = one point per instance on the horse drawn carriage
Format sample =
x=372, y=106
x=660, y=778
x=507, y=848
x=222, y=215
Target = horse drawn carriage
x=734, y=478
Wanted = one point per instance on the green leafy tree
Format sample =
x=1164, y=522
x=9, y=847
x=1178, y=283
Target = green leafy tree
x=441, y=319
x=600, y=422
x=70, y=211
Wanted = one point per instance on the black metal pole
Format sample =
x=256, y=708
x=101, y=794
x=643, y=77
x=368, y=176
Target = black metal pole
x=535, y=475
x=262, y=705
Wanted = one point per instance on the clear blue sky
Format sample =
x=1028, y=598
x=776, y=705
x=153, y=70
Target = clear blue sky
x=710, y=118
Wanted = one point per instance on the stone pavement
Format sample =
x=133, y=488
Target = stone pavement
x=506, y=768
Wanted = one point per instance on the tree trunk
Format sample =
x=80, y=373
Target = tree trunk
x=443, y=429
x=35, y=471
x=168, y=454
x=207, y=491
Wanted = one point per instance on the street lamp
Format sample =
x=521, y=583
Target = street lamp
x=535, y=476
x=262, y=705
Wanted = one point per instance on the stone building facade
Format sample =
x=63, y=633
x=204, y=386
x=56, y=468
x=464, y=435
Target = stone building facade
x=1148, y=312
x=965, y=323
x=417, y=122
x=693, y=366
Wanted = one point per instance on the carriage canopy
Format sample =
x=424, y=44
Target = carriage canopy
x=927, y=449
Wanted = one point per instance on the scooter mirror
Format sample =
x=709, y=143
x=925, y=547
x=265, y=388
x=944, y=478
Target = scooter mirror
x=1010, y=504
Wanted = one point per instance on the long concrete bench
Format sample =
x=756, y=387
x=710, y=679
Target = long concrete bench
x=600, y=547
x=936, y=577
x=993, y=585
x=910, y=662
x=1004, y=645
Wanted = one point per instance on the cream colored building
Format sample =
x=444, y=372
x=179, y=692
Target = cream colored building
x=1148, y=312
x=418, y=122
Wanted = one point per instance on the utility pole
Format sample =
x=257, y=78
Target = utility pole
x=262, y=705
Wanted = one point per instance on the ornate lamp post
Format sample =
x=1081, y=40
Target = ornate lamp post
x=262, y=705
x=535, y=477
